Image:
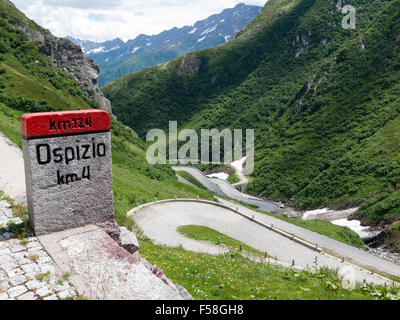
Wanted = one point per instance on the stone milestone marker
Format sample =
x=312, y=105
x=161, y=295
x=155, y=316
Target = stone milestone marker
x=68, y=170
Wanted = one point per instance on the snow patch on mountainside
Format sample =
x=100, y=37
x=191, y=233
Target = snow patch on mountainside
x=220, y=175
x=112, y=49
x=209, y=30
x=97, y=50
x=216, y=30
x=135, y=49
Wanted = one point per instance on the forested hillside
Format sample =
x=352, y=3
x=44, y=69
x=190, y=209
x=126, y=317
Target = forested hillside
x=324, y=102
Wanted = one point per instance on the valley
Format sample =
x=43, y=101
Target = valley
x=323, y=103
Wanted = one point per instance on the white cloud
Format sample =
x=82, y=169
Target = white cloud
x=104, y=19
x=87, y=4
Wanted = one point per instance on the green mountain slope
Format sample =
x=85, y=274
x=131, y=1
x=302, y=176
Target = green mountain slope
x=28, y=80
x=117, y=69
x=324, y=102
x=30, y=83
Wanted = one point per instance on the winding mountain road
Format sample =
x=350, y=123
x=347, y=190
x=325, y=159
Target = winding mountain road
x=231, y=192
x=160, y=221
x=226, y=189
x=339, y=249
x=199, y=176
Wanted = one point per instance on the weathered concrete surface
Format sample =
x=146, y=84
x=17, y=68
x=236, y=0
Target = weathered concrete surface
x=55, y=205
x=102, y=270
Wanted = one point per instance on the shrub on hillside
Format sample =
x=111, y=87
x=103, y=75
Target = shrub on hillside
x=3, y=47
x=25, y=104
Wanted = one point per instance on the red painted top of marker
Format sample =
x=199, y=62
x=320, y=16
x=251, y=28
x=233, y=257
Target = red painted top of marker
x=49, y=124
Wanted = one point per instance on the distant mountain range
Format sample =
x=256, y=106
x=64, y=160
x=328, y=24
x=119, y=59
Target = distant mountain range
x=117, y=58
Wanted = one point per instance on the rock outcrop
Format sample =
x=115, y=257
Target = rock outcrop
x=190, y=64
x=386, y=240
x=67, y=56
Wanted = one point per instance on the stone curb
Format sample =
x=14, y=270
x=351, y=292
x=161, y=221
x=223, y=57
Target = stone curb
x=271, y=227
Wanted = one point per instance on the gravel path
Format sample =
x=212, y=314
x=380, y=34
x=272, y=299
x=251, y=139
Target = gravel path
x=12, y=172
x=160, y=221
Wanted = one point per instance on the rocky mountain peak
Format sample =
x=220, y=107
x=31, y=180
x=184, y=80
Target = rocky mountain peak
x=69, y=57
x=117, y=58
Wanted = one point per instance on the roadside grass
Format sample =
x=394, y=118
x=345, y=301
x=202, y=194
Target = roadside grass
x=30, y=83
x=9, y=124
x=19, y=211
x=394, y=239
x=233, y=277
x=137, y=182
x=23, y=230
x=207, y=277
x=187, y=176
x=233, y=178
x=325, y=228
x=207, y=234
x=132, y=189
x=134, y=180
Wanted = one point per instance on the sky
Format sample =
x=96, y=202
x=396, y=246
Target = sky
x=102, y=20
